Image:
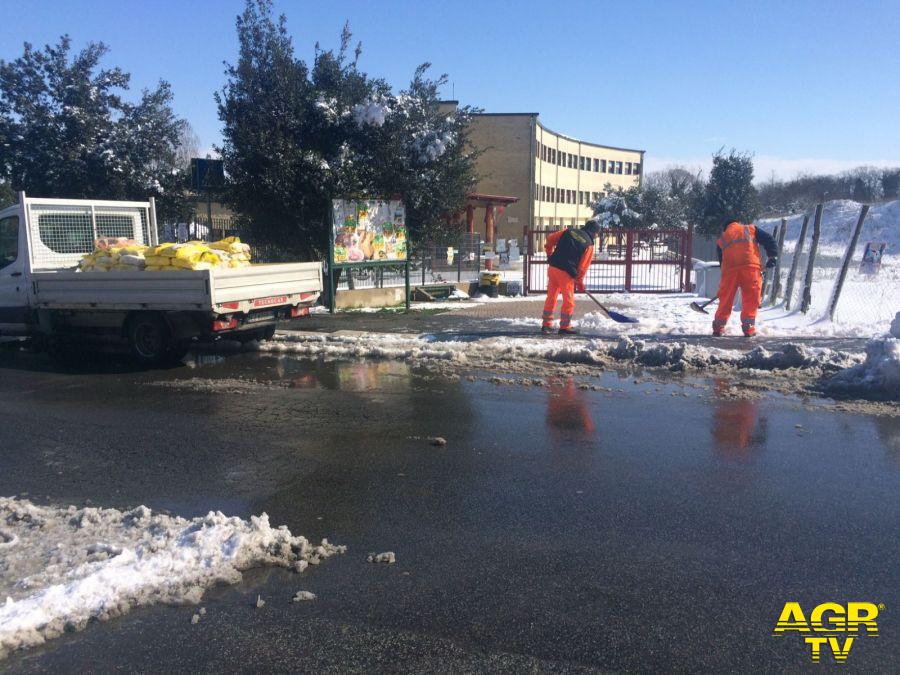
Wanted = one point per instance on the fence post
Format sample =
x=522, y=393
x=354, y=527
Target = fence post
x=459, y=255
x=776, y=283
x=845, y=263
x=424, y=252
x=813, y=248
x=689, y=261
x=795, y=264
x=527, y=253
x=406, y=268
x=629, y=257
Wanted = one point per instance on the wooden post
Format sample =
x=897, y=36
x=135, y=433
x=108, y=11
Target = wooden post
x=807, y=284
x=776, y=285
x=765, y=273
x=795, y=264
x=489, y=234
x=470, y=219
x=629, y=256
x=845, y=263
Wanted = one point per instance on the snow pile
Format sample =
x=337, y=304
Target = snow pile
x=62, y=567
x=679, y=356
x=877, y=377
x=522, y=352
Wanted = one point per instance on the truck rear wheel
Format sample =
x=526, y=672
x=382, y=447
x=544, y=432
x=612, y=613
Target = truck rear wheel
x=151, y=340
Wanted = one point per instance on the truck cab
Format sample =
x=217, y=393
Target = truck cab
x=13, y=289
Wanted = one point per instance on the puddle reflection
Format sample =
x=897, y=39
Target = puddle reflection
x=568, y=411
x=737, y=430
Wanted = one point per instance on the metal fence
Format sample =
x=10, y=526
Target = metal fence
x=823, y=271
x=429, y=264
x=638, y=261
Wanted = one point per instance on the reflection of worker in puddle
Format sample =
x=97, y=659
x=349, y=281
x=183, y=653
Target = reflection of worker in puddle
x=567, y=409
x=736, y=424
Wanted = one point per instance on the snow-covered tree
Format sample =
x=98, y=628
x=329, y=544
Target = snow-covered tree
x=617, y=208
x=729, y=194
x=295, y=137
x=67, y=131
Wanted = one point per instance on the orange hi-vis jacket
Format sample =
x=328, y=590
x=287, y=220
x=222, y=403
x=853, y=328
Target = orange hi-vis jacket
x=739, y=247
x=580, y=266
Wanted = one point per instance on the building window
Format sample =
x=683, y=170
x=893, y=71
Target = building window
x=602, y=166
x=571, y=196
x=619, y=168
x=597, y=165
x=627, y=168
x=636, y=169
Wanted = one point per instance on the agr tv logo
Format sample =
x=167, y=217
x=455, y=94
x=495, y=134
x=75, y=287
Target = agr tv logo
x=830, y=625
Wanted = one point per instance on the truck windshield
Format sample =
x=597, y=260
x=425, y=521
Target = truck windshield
x=9, y=240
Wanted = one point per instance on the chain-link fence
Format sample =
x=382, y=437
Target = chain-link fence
x=849, y=238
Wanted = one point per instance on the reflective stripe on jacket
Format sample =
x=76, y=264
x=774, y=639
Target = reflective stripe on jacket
x=738, y=246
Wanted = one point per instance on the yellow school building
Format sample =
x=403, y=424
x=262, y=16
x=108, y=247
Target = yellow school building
x=555, y=177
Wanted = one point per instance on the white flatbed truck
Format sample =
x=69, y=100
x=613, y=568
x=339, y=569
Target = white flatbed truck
x=44, y=296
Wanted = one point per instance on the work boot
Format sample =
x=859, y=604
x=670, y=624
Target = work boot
x=568, y=331
x=717, y=332
x=546, y=330
x=750, y=333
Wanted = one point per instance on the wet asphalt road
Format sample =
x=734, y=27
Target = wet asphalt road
x=560, y=529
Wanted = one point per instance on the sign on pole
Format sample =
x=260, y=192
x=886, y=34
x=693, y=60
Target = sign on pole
x=367, y=233
x=871, y=260
x=372, y=230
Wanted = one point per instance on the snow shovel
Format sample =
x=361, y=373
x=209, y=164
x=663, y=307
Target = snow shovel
x=615, y=316
x=697, y=307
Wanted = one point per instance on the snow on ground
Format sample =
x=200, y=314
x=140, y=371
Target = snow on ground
x=672, y=315
x=503, y=351
x=63, y=567
x=838, y=220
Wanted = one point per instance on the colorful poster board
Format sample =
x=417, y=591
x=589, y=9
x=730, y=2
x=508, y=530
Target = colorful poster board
x=871, y=261
x=372, y=230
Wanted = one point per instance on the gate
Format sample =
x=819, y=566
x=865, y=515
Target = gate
x=632, y=261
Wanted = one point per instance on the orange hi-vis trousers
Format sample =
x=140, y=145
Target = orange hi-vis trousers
x=559, y=282
x=749, y=279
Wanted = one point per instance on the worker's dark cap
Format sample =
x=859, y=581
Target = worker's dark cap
x=592, y=227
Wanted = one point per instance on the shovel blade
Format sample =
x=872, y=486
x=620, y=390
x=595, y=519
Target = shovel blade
x=697, y=308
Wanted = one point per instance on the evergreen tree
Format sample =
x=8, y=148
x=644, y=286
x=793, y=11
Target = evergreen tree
x=7, y=196
x=67, y=131
x=729, y=194
x=295, y=137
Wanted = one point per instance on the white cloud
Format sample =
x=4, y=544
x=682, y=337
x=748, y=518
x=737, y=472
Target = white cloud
x=784, y=168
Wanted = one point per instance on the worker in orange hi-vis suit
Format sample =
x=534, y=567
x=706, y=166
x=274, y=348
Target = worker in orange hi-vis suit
x=738, y=253
x=569, y=254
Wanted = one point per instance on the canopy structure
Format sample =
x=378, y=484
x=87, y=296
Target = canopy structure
x=493, y=206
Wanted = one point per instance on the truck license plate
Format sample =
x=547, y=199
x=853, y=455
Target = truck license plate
x=256, y=317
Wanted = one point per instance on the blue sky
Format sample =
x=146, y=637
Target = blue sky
x=803, y=85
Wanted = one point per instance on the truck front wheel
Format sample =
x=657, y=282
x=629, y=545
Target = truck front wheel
x=150, y=339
